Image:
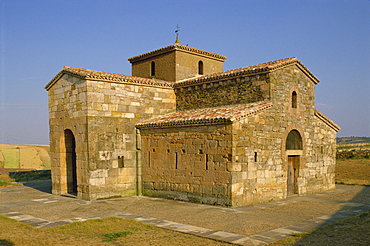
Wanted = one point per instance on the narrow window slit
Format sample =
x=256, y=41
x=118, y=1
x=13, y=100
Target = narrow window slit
x=121, y=161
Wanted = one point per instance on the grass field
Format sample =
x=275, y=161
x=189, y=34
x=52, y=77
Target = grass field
x=110, y=231
x=352, y=231
x=353, y=171
x=34, y=157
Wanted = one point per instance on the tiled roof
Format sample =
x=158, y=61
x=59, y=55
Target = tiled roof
x=103, y=76
x=177, y=46
x=205, y=116
x=255, y=69
x=326, y=120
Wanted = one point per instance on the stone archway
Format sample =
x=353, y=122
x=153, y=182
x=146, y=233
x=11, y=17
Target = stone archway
x=294, y=150
x=70, y=162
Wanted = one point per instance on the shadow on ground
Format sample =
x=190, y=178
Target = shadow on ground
x=354, y=231
x=42, y=185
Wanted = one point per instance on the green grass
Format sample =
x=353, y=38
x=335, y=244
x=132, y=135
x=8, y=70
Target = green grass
x=11, y=157
x=114, y=236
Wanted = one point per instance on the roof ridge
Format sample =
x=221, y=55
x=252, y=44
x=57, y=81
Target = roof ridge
x=90, y=74
x=253, y=69
x=326, y=120
x=176, y=46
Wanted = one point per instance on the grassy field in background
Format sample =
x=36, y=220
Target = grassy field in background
x=32, y=157
x=353, y=172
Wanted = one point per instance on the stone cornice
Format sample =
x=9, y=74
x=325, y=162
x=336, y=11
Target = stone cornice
x=88, y=74
x=205, y=116
x=326, y=120
x=174, y=47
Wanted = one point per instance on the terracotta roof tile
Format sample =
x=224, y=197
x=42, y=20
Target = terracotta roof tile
x=326, y=120
x=259, y=68
x=104, y=76
x=177, y=46
x=205, y=116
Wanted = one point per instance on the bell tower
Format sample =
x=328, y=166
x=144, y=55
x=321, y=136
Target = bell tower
x=176, y=62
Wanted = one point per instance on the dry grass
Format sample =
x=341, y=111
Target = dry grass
x=110, y=231
x=34, y=157
x=352, y=231
x=5, y=181
x=353, y=172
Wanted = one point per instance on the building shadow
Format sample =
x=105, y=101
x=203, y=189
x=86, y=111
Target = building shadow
x=345, y=234
x=40, y=185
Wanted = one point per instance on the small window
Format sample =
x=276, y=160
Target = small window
x=152, y=69
x=121, y=161
x=294, y=99
x=200, y=68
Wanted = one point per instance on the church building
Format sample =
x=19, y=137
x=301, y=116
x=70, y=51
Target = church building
x=182, y=128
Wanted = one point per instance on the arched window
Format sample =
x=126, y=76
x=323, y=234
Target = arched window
x=294, y=99
x=200, y=68
x=152, y=69
x=294, y=141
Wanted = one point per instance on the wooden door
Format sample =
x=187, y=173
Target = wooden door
x=293, y=165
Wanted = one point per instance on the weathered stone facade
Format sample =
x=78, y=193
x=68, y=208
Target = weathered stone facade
x=101, y=111
x=230, y=138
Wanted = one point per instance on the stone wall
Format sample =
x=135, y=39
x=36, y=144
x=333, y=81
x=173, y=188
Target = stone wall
x=113, y=110
x=187, y=65
x=260, y=155
x=237, y=90
x=102, y=117
x=175, y=65
x=164, y=67
x=188, y=163
x=255, y=163
x=68, y=110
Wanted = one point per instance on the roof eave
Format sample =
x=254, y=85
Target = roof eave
x=109, y=78
x=326, y=120
x=162, y=123
x=59, y=75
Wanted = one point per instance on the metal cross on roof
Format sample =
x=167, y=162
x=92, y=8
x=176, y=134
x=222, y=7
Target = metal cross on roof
x=177, y=34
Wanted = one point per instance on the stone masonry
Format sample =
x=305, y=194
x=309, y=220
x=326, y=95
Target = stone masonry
x=232, y=138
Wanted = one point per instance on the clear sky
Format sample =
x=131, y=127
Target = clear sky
x=38, y=37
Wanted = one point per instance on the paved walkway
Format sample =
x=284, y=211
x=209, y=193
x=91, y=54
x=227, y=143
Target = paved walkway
x=259, y=224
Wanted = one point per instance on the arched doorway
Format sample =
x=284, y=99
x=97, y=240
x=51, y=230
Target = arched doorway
x=71, y=173
x=294, y=149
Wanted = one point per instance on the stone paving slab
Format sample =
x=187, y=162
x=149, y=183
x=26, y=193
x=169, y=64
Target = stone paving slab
x=39, y=195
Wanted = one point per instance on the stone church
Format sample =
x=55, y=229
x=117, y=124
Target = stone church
x=182, y=128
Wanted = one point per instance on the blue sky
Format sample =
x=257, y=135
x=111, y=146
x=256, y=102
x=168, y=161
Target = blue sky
x=39, y=37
